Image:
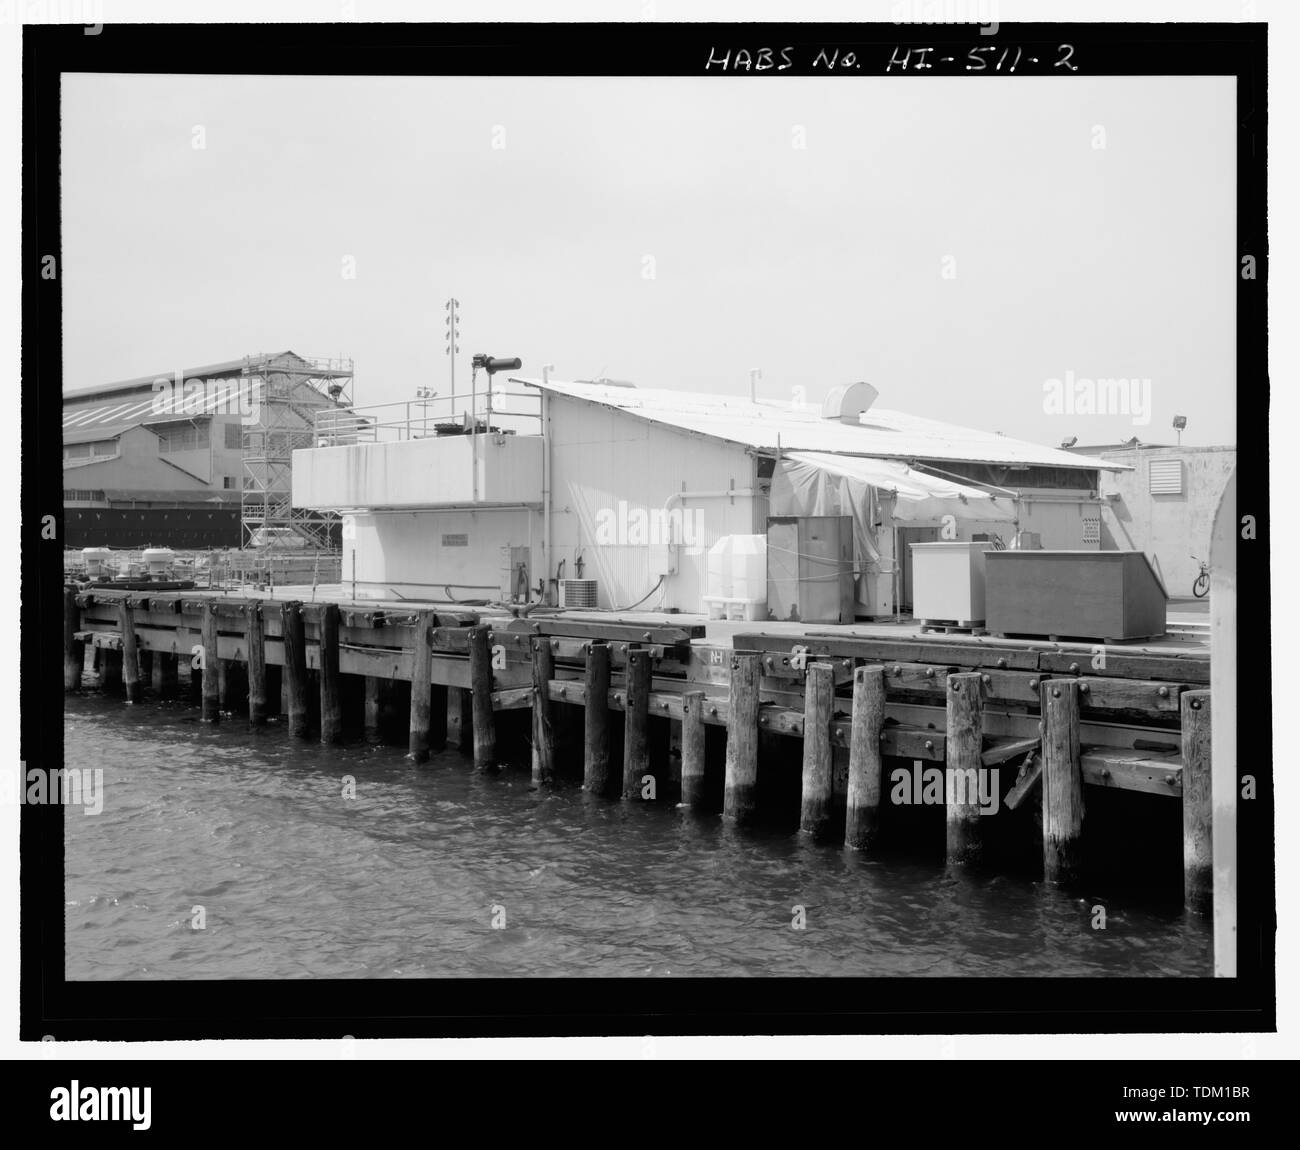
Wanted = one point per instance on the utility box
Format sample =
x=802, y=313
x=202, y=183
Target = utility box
x=1074, y=594
x=810, y=568
x=948, y=582
x=514, y=574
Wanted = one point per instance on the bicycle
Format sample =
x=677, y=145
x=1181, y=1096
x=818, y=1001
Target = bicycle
x=1201, y=587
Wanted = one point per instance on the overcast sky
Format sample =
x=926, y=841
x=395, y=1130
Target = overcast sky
x=956, y=244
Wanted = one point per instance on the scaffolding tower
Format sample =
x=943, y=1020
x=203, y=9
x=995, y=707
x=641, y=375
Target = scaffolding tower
x=289, y=390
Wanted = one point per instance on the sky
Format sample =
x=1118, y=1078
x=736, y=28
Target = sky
x=957, y=244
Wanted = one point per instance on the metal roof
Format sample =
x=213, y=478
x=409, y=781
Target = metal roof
x=881, y=434
x=230, y=367
x=111, y=417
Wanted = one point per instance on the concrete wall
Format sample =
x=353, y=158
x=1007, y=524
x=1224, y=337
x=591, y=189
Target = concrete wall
x=1169, y=528
x=420, y=473
x=416, y=553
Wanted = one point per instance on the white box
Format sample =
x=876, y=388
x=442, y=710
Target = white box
x=948, y=581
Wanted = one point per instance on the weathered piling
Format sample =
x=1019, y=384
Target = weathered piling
x=1198, y=806
x=74, y=650
x=130, y=653
x=373, y=707
x=693, y=734
x=739, y=795
x=1062, y=781
x=331, y=703
x=211, y=687
x=421, y=674
x=964, y=740
x=145, y=657
x=166, y=676
x=819, y=705
x=543, y=727
x=862, y=818
x=257, y=694
x=295, y=666
x=459, y=720
x=480, y=679
x=595, y=750
x=636, y=726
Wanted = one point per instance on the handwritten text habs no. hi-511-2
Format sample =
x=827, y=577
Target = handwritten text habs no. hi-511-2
x=1005, y=59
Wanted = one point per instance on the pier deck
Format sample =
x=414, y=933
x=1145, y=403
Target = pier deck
x=1059, y=717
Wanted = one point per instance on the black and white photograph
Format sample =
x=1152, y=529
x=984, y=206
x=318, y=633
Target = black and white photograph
x=599, y=520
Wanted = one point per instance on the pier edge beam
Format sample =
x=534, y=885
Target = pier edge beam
x=1062, y=781
x=295, y=665
x=480, y=679
x=862, y=816
x=421, y=688
x=543, y=759
x=331, y=701
x=74, y=650
x=693, y=734
x=740, y=788
x=963, y=743
x=595, y=738
x=1198, y=803
x=636, y=728
x=257, y=698
x=130, y=653
x=817, y=781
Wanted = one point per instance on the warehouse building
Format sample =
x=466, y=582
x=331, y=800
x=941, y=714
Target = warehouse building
x=195, y=459
x=626, y=488
x=1163, y=503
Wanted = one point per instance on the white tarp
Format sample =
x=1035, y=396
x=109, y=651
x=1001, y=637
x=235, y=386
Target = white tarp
x=815, y=483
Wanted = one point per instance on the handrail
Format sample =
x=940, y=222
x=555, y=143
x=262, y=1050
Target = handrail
x=490, y=412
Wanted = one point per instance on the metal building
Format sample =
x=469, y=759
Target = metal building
x=631, y=487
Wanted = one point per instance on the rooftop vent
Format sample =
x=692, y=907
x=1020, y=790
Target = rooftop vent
x=848, y=402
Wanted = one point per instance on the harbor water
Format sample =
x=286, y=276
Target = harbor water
x=438, y=871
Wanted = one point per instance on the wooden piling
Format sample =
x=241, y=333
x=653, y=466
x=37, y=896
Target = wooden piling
x=145, y=657
x=595, y=751
x=819, y=705
x=295, y=666
x=866, y=766
x=693, y=732
x=373, y=707
x=130, y=654
x=211, y=688
x=1062, y=781
x=331, y=704
x=74, y=650
x=543, y=728
x=963, y=743
x=459, y=721
x=739, y=796
x=480, y=679
x=257, y=693
x=1198, y=805
x=636, y=726
x=166, y=676
x=421, y=673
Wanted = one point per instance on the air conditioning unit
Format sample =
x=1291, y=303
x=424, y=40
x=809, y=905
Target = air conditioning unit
x=578, y=593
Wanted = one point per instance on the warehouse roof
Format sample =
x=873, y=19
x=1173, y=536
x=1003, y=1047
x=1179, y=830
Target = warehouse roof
x=768, y=425
x=229, y=367
x=117, y=414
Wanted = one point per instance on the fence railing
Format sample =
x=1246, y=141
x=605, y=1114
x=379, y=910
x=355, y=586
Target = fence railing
x=494, y=410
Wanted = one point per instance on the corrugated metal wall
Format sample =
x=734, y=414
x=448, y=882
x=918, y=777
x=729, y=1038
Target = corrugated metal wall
x=613, y=475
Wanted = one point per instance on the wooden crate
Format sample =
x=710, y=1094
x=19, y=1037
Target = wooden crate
x=1073, y=594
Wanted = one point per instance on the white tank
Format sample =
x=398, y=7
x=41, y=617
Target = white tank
x=719, y=572
x=157, y=559
x=97, y=559
x=749, y=567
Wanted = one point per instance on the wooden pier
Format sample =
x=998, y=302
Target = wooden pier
x=835, y=710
